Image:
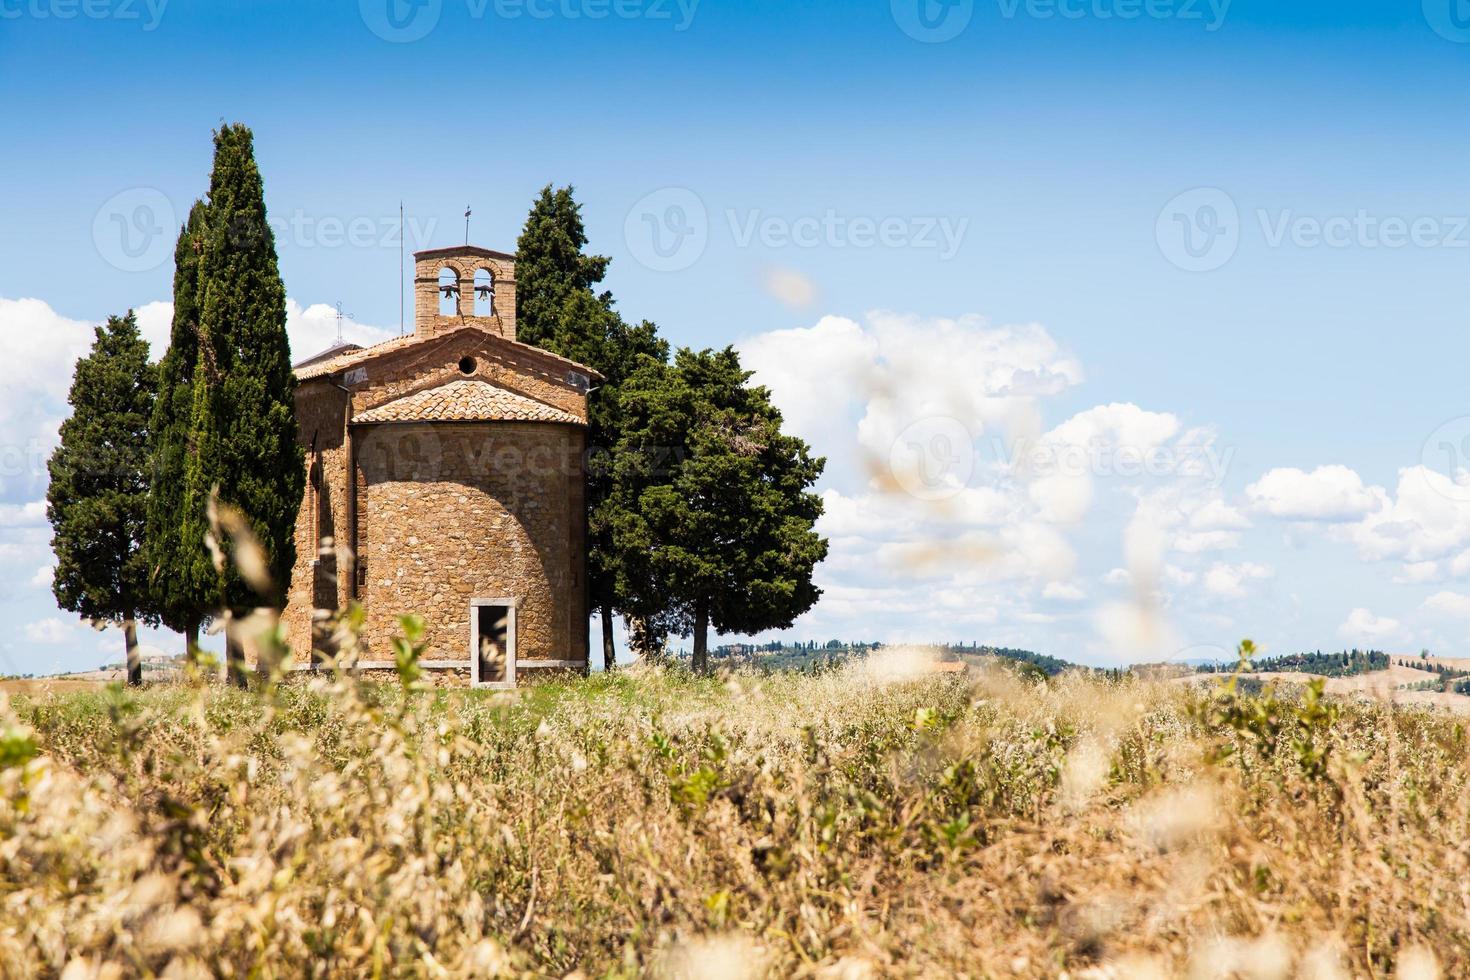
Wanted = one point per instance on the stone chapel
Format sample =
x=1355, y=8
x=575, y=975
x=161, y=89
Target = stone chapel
x=449, y=464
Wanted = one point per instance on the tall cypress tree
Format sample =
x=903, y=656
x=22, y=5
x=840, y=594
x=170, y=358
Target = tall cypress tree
x=552, y=269
x=97, y=498
x=184, y=584
x=557, y=309
x=713, y=514
x=244, y=412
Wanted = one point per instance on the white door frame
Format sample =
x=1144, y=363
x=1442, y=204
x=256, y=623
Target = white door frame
x=509, y=682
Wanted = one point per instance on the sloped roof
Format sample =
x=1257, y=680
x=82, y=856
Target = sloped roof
x=336, y=350
x=318, y=368
x=466, y=400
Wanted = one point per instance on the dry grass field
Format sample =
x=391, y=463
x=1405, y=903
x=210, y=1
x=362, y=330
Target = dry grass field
x=880, y=820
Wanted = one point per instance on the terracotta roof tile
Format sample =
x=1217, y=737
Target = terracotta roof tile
x=466, y=401
x=318, y=368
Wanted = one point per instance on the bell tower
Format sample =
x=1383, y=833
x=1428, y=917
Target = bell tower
x=464, y=285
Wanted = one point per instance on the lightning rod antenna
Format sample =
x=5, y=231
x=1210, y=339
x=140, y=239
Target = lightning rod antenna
x=400, y=268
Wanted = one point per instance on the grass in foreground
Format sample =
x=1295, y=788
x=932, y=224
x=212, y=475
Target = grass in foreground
x=858, y=823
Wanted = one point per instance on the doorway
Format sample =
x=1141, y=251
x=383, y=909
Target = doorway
x=493, y=643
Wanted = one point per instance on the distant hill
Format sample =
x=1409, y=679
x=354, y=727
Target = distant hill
x=1346, y=663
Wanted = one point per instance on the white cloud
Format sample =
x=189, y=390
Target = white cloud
x=1328, y=493
x=1117, y=424
x=1179, y=577
x=1426, y=519
x=1194, y=542
x=31, y=514
x=1416, y=572
x=44, y=345
x=1063, y=592
x=1229, y=581
x=1217, y=515
x=1448, y=604
x=313, y=329
x=1361, y=625
x=155, y=323
x=44, y=576
x=50, y=630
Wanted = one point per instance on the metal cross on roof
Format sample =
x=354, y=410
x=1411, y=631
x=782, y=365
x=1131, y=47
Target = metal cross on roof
x=340, y=317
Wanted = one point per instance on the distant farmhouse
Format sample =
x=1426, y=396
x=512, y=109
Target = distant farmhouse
x=450, y=463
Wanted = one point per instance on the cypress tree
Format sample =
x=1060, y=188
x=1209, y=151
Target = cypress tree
x=714, y=519
x=97, y=498
x=183, y=582
x=556, y=309
x=551, y=269
x=244, y=412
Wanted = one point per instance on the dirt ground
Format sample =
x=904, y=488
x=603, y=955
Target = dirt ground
x=44, y=685
x=84, y=681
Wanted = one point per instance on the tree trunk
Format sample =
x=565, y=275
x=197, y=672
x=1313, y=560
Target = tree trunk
x=701, y=634
x=135, y=662
x=191, y=638
x=235, y=672
x=609, y=649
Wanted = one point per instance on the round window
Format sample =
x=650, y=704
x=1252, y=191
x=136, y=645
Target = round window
x=466, y=365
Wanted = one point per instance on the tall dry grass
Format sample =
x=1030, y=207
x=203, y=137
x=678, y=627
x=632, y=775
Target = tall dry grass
x=865, y=822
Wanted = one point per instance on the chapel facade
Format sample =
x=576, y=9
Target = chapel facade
x=446, y=478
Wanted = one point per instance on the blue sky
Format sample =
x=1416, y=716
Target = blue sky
x=1039, y=169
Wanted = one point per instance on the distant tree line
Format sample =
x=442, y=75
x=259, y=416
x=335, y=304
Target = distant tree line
x=1345, y=663
x=1050, y=666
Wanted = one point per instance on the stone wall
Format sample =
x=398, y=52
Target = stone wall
x=450, y=512
x=321, y=413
